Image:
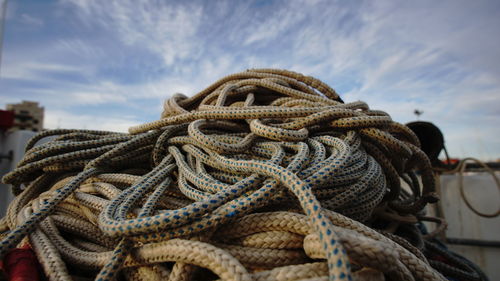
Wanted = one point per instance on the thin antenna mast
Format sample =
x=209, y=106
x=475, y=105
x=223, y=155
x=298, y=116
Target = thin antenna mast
x=3, y=14
x=418, y=113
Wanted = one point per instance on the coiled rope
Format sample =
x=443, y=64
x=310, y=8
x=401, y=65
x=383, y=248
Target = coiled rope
x=264, y=175
x=460, y=170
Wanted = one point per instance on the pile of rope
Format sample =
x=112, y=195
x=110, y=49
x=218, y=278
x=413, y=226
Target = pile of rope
x=264, y=175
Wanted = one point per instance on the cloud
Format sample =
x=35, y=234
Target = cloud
x=167, y=29
x=274, y=25
x=92, y=98
x=79, y=47
x=31, y=70
x=29, y=20
x=64, y=119
x=129, y=56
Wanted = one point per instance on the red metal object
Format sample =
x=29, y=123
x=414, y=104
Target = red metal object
x=6, y=119
x=452, y=161
x=21, y=264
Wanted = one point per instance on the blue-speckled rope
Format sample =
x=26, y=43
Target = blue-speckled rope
x=258, y=139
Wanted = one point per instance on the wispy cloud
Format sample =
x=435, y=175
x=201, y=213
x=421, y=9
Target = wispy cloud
x=29, y=20
x=167, y=30
x=273, y=26
x=65, y=119
x=33, y=70
x=115, y=57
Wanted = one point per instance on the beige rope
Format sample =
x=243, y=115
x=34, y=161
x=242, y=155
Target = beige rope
x=461, y=169
x=264, y=175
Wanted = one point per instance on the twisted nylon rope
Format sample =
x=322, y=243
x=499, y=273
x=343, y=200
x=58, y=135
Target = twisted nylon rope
x=264, y=175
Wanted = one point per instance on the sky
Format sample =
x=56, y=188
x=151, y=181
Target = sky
x=110, y=64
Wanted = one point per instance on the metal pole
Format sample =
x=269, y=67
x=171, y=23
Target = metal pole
x=2, y=27
x=473, y=242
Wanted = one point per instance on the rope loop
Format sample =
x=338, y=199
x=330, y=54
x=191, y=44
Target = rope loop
x=264, y=175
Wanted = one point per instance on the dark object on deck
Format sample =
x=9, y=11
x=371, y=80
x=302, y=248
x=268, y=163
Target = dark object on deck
x=431, y=139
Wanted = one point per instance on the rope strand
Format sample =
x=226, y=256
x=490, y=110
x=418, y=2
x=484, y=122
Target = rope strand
x=264, y=175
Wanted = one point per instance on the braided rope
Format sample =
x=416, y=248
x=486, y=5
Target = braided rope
x=264, y=175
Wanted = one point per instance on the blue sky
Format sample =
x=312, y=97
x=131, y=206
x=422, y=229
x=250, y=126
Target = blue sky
x=110, y=64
